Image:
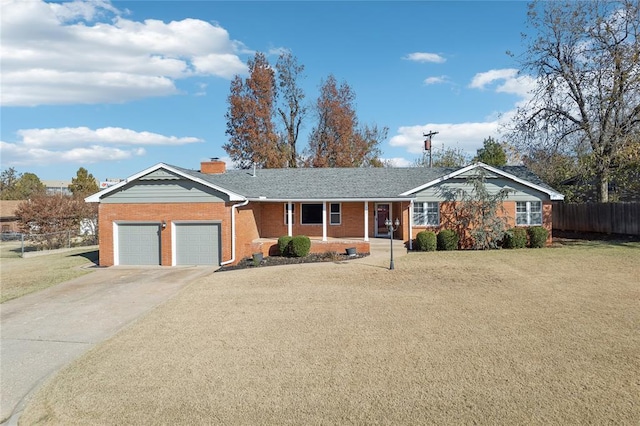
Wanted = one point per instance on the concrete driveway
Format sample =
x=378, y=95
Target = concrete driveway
x=43, y=331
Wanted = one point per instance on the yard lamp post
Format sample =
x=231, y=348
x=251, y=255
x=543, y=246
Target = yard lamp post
x=392, y=227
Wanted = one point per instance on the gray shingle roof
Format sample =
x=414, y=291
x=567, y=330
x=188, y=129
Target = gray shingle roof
x=336, y=183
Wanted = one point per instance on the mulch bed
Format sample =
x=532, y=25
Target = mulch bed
x=280, y=260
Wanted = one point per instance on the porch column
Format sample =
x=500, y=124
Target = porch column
x=366, y=221
x=324, y=221
x=410, y=225
x=290, y=219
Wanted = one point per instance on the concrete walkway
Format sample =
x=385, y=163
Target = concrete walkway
x=44, y=331
x=381, y=249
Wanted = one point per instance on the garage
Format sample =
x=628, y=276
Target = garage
x=138, y=244
x=197, y=243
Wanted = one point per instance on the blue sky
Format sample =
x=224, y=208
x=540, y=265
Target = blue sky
x=117, y=87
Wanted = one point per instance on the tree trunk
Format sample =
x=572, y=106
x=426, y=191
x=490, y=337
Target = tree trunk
x=293, y=159
x=604, y=185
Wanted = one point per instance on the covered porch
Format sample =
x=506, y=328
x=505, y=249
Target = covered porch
x=330, y=220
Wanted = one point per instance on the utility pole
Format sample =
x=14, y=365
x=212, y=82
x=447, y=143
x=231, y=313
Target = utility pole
x=427, y=144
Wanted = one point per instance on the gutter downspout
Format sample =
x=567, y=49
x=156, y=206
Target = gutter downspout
x=410, y=225
x=233, y=232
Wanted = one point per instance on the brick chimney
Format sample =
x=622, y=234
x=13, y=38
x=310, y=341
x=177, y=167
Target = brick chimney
x=213, y=167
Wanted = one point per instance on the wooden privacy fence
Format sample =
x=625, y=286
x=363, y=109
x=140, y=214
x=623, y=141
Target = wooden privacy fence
x=608, y=218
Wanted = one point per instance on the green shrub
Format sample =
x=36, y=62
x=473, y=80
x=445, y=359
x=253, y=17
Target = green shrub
x=537, y=236
x=515, y=238
x=426, y=241
x=300, y=246
x=284, y=245
x=447, y=240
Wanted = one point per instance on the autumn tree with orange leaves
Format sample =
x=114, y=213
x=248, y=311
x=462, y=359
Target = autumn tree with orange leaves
x=336, y=140
x=250, y=127
x=266, y=112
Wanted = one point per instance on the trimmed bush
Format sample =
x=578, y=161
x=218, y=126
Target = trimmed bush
x=300, y=246
x=447, y=240
x=537, y=236
x=426, y=241
x=515, y=238
x=284, y=245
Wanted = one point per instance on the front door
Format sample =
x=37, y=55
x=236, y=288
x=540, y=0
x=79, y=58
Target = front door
x=383, y=212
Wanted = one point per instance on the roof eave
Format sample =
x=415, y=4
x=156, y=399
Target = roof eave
x=553, y=195
x=95, y=198
x=328, y=199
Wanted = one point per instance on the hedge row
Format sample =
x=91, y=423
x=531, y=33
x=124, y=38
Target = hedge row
x=429, y=241
x=447, y=239
x=534, y=237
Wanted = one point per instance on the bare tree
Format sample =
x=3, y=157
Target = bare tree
x=444, y=157
x=50, y=216
x=252, y=135
x=337, y=141
x=586, y=58
x=292, y=109
x=478, y=214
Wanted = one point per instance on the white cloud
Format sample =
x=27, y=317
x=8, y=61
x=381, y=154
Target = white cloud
x=512, y=83
x=425, y=57
x=82, y=145
x=398, y=162
x=466, y=136
x=86, y=52
x=22, y=155
x=482, y=79
x=435, y=80
x=469, y=136
x=65, y=136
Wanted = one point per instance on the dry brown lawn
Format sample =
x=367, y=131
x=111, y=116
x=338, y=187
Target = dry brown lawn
x=23, y=276
x=549, y=336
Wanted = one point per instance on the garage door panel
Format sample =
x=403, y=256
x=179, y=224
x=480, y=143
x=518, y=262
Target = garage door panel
x=198, y=244
x=139, y=244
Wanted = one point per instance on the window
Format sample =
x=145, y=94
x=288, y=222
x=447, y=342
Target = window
x=311, y=214
x=426, y=214
x=528, y=213
x=336, y=215
x=286, y=217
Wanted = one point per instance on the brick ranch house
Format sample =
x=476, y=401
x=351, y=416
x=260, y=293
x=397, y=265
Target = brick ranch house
x=168, y=215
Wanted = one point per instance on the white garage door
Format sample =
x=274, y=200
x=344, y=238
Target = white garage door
x=139, y=244
x=197, y=244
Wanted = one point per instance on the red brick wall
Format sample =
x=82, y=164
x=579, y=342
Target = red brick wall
x=272, y=225
x=108, y=213
x=547, y=219
x=247, y=220
x=447, y=220
x=266, y=220
x=213, y=167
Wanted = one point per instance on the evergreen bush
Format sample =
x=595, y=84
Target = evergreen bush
x=515, y=238
x=447, y=240
x=537, y=236
x=300, y=246
x=284, y=245
x=426, y=241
